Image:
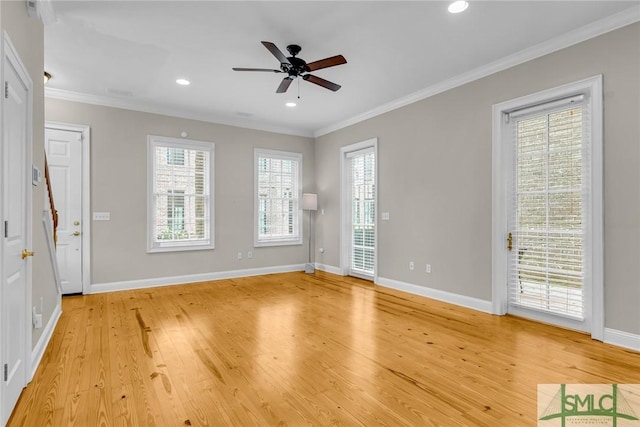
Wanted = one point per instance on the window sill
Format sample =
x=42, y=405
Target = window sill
x=179, y=248
x=268, y=243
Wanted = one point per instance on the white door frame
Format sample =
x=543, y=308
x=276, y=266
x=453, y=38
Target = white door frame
x=9, y=54
x=86, y=196
x=502, y=161
x=345, y=207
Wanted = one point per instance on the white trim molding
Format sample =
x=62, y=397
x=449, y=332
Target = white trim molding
x=43, y=341
x=128, y=285
x=437, y=294
x=330, y=269
x=152, y=108
x=622, y=339
x=571, y=38
x=594, y=29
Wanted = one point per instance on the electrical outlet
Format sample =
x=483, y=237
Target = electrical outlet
x=411, y=265
x=239, y=255
x=249, y=255
x=37, y=319
x=428, y=268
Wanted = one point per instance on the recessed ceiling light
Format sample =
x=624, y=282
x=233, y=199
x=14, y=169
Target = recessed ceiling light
x=183, y=82
x=291, y=104
x=458, y=6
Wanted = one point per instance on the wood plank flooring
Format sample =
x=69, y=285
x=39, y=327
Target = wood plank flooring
x=300, y=350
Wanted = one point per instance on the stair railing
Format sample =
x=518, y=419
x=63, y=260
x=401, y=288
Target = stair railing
x=52, y=205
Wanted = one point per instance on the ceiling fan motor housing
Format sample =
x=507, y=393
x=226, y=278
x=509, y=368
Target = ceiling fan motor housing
x=295, y=67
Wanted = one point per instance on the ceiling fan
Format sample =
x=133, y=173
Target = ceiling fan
x=297, y=67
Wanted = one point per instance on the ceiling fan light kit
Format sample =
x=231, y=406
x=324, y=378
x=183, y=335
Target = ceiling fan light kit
x=296, y=67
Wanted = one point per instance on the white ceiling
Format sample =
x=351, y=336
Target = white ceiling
x=129, y=53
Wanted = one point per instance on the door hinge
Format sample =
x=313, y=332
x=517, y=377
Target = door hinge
x=6, y=229
x=510, y=242
x=6, y=372
x=6, y=89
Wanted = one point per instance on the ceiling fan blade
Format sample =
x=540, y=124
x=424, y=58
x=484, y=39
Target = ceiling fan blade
x=284, y=85
x=257, y=69
x=276, y=52
x=321, y=82
x=327, y=62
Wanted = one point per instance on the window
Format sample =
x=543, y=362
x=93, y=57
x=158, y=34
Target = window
x=175, y=156
x=277, y=198
x=548, y=211
x=180, y=203
x=175, y=211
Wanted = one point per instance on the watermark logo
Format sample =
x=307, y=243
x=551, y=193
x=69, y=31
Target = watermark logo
x=615, y=405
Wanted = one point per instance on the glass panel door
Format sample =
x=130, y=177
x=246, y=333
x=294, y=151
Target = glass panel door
x=363, y=231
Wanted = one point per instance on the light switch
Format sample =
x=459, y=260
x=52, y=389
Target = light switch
x=385, y=216
x=102, y=216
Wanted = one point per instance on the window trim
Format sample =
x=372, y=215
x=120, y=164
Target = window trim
x=284, y=155
x=594, y=256
x=188, y=144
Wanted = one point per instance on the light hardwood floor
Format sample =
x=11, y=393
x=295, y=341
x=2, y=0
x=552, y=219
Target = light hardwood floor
x=295, y=349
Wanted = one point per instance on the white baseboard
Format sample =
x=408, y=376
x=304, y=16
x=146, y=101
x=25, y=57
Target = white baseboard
x=457, y=299
x=97, y=288
x=622, y=339
x=41, y=345
x=330, y=269
x=611, y=336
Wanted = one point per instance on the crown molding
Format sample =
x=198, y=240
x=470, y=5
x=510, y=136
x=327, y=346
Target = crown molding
x=147, y=107
x=597, y=28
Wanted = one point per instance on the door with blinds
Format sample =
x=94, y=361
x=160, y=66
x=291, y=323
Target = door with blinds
x=361, y=190
x=549, y=213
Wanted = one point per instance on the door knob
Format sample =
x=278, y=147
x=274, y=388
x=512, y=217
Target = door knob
x=26, y=253
x=76, y=233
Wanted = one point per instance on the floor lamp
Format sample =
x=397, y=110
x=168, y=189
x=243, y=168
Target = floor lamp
x=309, y=203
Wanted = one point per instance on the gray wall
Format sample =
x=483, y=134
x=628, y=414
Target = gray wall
x=119, y=186
x=435, y=175
x=434, y=180
x=27, y=36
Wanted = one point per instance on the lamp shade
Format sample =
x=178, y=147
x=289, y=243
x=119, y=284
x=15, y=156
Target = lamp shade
x=310, y=202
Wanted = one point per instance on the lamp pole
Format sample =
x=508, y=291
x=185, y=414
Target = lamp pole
x=309, y=203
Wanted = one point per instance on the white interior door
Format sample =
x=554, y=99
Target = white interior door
x=16, y=217
x=64, y=156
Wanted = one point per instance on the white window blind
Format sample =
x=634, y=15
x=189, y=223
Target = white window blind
x=277, y=197
x=549, y=208
x=363, y=211
x=180, y=202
